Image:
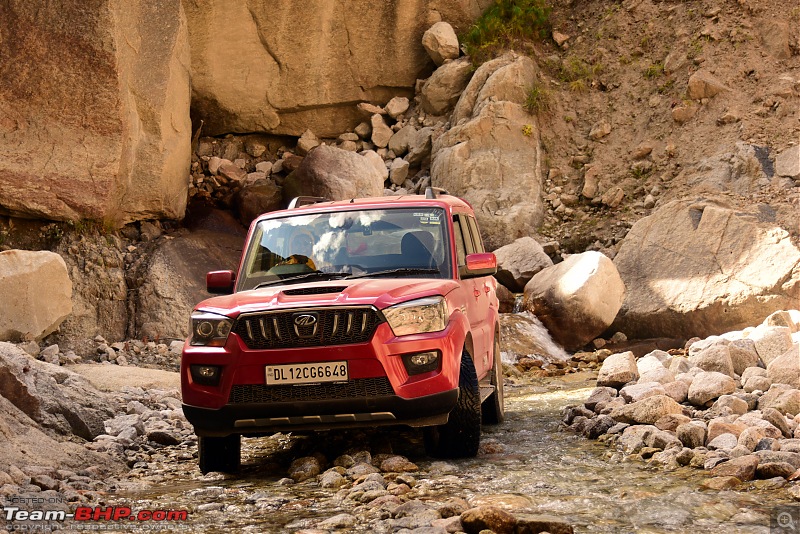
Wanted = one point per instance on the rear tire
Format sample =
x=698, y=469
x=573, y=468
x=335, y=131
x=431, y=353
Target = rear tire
x=493, y=408
x=223, y=455
x=461, y=435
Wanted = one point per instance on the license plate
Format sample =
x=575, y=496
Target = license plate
x=307, y=373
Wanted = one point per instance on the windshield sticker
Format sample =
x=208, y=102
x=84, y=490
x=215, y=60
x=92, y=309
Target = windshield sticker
x=428, y=218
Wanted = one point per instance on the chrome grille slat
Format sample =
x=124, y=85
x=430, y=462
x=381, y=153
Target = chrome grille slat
x=358, y=388
x=336, y=326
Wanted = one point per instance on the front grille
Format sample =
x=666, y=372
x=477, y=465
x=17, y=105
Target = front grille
x=307, y=328
x=314, y=290
x=358, y=388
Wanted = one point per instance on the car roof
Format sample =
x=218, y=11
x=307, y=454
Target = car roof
x=396, y=201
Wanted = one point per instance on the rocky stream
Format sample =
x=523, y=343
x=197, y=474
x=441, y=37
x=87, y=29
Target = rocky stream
x=529, y=466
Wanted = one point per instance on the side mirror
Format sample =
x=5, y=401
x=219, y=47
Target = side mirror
x=483, y=264
x=220, y=282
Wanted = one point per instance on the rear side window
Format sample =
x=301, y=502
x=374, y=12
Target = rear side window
x=458, y=232
x=476, y=235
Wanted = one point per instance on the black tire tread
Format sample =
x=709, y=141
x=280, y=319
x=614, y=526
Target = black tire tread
x=493, y=410
x=223, y=455
x=460, y=436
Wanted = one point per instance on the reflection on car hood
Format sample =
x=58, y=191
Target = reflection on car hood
x=381, y=293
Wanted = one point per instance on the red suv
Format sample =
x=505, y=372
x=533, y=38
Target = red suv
x=357, y=313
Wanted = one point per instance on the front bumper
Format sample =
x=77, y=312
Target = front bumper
x=322, y=414
x=241, y=402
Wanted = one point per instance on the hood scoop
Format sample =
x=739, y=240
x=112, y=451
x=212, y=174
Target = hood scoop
x=314, y=290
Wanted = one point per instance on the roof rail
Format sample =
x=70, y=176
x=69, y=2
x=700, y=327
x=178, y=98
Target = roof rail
x=305, y=201
x=431, y=192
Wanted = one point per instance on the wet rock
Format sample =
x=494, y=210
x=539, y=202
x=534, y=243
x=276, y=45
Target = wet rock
x=598, y=395
x=536, y=523
x=338, y=521
x=332, y=479
x=398, y=464
x=491, y=518
x=767, y=470
x=304, y=468
x=361, y=469
x=743, y=468
x=692, y=435
x=721, y=483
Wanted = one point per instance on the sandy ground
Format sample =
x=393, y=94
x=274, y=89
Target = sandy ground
x=115, y=377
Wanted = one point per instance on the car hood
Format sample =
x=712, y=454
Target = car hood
x=380, y=292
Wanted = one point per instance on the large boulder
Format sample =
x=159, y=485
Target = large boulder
x=53, y=396
x=576, y=299
x=36, y=294
x=507, y=77
x=95, y=110
x=335, y=174
x=442, y=90
x=697, y=268
x=492, y=164
x=517, y=262
x=253, y=68
x=441, y=42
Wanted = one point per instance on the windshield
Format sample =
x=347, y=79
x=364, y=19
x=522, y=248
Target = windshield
x=412, y=241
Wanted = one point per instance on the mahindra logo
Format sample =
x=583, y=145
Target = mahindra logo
x=306, y=319
x=305, y=324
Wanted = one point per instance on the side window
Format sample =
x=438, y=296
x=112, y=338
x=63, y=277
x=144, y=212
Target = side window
x=476, y=235
x=458, y=235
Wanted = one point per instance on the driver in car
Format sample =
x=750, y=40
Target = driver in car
x=301, y=248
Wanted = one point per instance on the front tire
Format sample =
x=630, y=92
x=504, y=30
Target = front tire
x=223, y=455
x=461, y=435
x=493, y=408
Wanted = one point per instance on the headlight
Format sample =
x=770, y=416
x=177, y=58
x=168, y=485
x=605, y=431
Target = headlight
x=428, y=314
x=210, y=329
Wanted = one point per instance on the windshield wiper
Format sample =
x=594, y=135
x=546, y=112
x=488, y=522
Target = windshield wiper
x=401, y=270
x=314, y=274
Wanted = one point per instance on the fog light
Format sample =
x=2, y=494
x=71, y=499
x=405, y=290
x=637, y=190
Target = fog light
x=205, y=375
x=421, y=362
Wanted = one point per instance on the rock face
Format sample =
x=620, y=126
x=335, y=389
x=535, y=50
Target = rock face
x=173, y=280
x=36, y=294
x=494, y=154
x=252, y=70
x=335, y=174
x=95, y=110
x=576, y=299
x=700, y=268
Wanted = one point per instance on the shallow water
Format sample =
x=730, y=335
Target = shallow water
x=532, y=465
